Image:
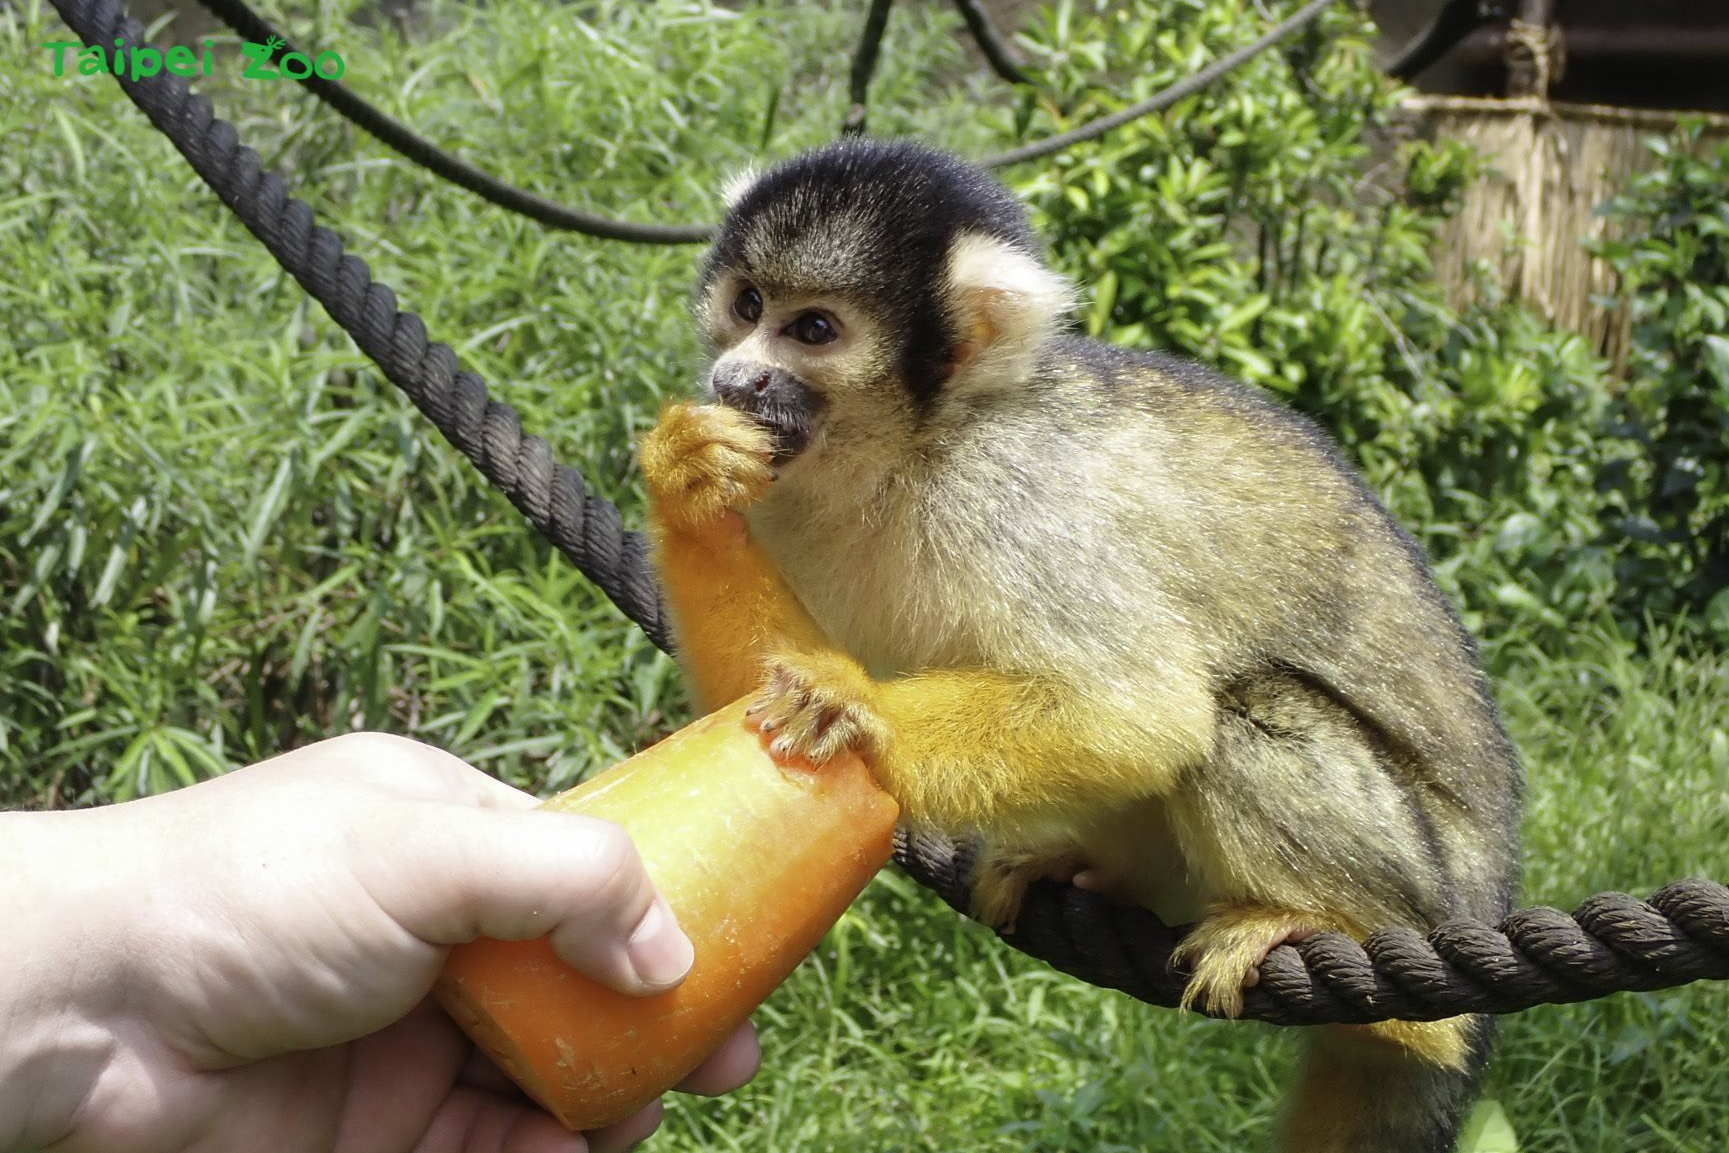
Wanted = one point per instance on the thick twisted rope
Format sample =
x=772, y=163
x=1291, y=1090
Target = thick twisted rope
x=1539, y=956
x=1536, y=956
x=554, y=498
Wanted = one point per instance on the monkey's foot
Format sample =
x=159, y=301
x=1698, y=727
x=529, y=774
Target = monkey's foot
x=1227, y=947
x=818, y=705
x=1003, y=872
x=702, y=462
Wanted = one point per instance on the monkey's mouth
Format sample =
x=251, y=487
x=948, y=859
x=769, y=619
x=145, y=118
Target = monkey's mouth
x=792, y=431
x=785, y=406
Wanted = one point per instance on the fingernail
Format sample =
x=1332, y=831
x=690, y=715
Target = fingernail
x=659, y=951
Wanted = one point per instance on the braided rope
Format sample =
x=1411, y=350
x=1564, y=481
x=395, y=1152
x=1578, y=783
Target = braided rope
x=553, y=497
x=1537, y=956
x=1612, y=943
x=1536, y=58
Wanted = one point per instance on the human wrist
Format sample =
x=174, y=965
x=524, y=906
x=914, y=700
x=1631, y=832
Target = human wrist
x=58, y=977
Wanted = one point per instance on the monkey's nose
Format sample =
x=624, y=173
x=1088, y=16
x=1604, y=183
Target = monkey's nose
x=751, y=388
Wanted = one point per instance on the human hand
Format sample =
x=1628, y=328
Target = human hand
x=245, y=964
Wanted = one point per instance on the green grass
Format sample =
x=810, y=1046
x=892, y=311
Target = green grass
x=221, y=533
x=1628, y=761
x=912, y=1030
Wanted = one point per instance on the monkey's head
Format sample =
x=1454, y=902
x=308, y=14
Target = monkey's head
x=854, y=289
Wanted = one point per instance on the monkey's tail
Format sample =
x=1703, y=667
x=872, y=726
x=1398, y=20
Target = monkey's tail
x=1364, y=1090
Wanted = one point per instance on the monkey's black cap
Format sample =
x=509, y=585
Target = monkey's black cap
x=864, y=208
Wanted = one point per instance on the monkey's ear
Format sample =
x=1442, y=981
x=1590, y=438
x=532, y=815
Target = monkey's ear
x=732, y=190
x=1006, y=302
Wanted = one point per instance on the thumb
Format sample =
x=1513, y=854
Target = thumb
x=467, y=872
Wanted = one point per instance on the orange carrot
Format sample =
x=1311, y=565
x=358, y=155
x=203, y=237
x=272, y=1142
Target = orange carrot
x=757, y=862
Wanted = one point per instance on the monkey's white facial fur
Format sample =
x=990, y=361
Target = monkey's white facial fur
x=786, y=358
x=799, y=359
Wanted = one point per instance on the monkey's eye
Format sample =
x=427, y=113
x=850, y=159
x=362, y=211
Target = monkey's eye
x=812, y=328
x=747, y=305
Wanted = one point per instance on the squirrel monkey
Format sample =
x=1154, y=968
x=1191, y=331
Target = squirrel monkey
x=1124, y=621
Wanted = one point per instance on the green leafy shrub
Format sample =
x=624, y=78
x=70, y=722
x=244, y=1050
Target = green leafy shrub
x=1278, y=227
x=1669, y=499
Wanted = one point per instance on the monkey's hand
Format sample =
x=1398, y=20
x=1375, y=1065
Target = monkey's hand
x=702, y=463
x=1004, y=869
x=818, y=705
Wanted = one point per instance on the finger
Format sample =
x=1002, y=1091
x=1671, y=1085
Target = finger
x=474, y=1121
x=457, y=872
x=535, y=1132
x=780, y=707
x=622, y=1135
x=730, y=1066
x=799, y=731
x=479, y=1071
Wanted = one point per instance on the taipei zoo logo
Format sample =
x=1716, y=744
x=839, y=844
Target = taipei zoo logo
x=139, y=61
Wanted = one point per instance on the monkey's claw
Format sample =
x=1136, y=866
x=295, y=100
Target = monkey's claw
x=703, y=461
x=815, y=707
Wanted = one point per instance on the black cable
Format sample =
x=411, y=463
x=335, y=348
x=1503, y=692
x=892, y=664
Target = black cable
x=864, y=66
x=990, y=42
x=394, y=134
x=1455, y=21
x=1188, y=86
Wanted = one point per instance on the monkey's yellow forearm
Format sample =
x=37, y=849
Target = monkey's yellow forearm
x=730, y=607
x=730, y=610
x=971, y=748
